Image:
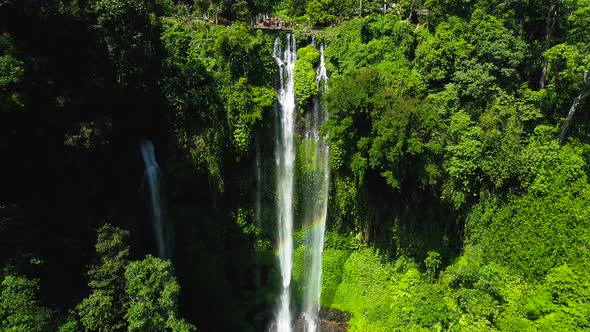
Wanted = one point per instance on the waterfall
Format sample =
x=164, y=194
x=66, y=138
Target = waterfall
x=285, y=162
x=152, y=173
x=318, y=157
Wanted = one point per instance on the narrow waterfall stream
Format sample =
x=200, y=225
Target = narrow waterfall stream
x=285, y=162
x=318, y=156
x=152, y=174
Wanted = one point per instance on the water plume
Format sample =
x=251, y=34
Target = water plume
x=152, y=174
x=317, y=155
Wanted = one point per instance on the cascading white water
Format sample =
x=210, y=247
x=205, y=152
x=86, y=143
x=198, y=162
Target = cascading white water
x=152, y=173
x=285, y=161
x=318, y=154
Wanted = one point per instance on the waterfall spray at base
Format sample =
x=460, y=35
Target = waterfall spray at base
x=318, y=157
x=285, y=162
x=152, y=173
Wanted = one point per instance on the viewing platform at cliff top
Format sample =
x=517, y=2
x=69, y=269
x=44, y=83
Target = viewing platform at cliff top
x=274, y=24
x=278, y=24
x=271, y=25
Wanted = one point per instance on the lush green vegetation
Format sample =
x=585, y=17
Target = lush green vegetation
x=459, y=200
x=461, y=120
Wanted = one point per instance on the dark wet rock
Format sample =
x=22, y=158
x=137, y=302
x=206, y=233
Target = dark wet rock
x=331, y=320
x=334, y=315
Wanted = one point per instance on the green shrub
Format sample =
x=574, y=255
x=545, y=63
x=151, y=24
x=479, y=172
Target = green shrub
x=305, y=76
x=332, y=273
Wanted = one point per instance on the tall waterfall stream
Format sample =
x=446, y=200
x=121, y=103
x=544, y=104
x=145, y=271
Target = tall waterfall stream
x=316, y=159
x=318, y=156
x=285, y=163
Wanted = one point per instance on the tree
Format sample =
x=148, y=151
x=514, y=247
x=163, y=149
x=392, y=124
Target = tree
x=547, y=225
x=432, y=263
x=404, y=133
x=130, y=30
x=321, y=12
x=139, y=296
x=297, y=7
x=305, y=76
x=153, y=295
x=576, y=103
x=20, y=311
x=562, y=302
x=103, y=309
x=11, y=75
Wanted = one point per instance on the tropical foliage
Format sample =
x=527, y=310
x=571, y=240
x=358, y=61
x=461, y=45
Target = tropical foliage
x=458, y=130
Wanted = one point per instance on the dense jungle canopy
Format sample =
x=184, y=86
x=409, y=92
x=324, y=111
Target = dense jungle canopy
x=460, y=146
